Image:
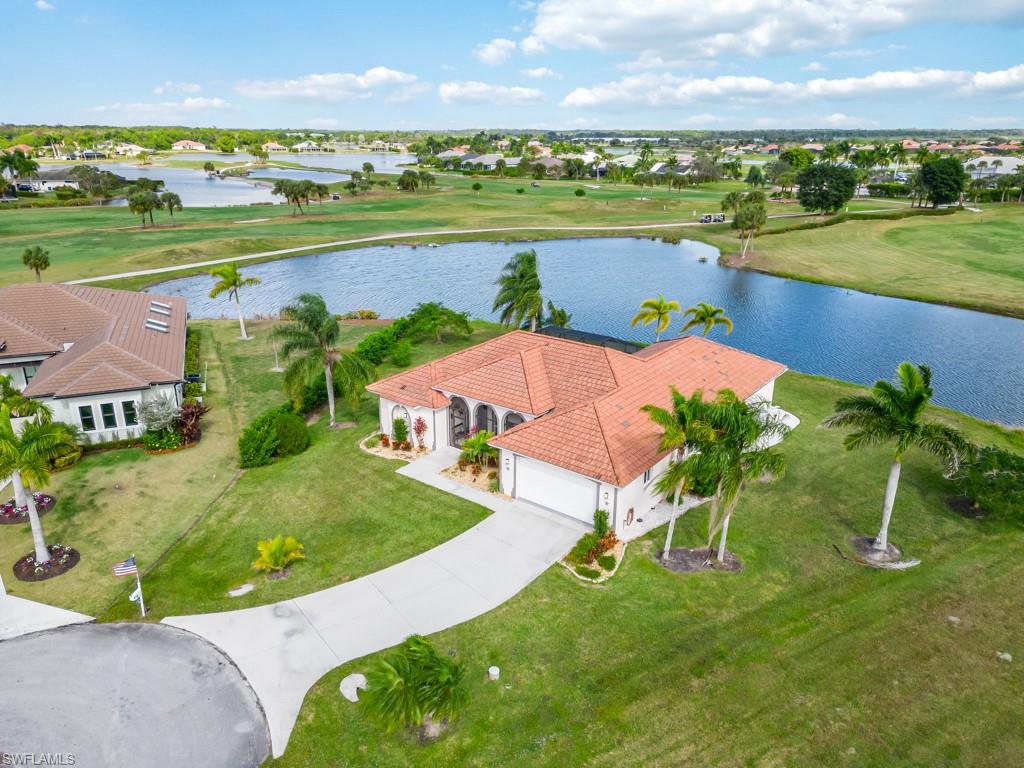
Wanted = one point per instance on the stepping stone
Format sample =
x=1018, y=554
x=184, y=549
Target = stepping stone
x=245, y=589
x=351, y=684
x=953, y=619
x=1004, y=656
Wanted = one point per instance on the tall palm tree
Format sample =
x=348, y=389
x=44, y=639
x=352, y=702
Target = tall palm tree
x=313, y=334
x=893, y=412
x=558, y=316
x=898, y=153
x=732, y=201
x=26, y=458
x=171, y=201
x=735, y=449
x=37, y=259
x=230, y=280
x=657, y=311
x=845, y=148
x=831, y=153
x=519, y=296
x=679, y=426
x=707, y=315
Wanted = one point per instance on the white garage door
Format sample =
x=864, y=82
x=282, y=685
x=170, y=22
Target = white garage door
x=554, y=488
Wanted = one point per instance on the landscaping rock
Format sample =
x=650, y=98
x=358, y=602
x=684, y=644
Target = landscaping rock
x=351, y=685
x=1004, y=656
x=953, y=619
x=245, y=589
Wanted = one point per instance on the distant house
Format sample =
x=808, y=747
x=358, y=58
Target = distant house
x=187, y=145
x=449, y=154
x=127, y=149
x=994, y=165
x=815, y=148
x=940, y=147
x=552, y=166
x=482, y=162
x=769, y=149
x=910, y=144
x=306, y=146
x=93, y=355
x=503, y=144
x=626, y=161
x=273, y=146
x=25, y=148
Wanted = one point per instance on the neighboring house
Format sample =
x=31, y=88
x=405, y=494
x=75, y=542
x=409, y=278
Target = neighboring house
x=769, y=149
x=306, y=146
x=25, y=148
x=815, y=148
x=449, y=154
x=994, y=165
x=552, y=166
x=93, y=354
x=187, y=145
x=129, y=150
x=273, y=146
x=569, y=429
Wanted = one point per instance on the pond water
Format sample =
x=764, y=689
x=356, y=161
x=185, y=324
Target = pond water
x=977, y=358
x=319, y=177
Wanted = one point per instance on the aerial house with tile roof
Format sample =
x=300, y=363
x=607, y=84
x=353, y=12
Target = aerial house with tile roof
x=93, y=354
x=567, y=415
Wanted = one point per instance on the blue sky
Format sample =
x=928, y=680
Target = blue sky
x=549, y=64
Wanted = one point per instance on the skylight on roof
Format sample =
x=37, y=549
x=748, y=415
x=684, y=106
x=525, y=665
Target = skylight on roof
x=156, y=325
x=163, y=304
x=160, y=311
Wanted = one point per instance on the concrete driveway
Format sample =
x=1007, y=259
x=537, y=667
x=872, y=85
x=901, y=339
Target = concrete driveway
x=126, y=695
x=284, y=648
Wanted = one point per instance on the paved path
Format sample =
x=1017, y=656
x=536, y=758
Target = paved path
x=19, y=616
x=284, y=648
x=140, y=695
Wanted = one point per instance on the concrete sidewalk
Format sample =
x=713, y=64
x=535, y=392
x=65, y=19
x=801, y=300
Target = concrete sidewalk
x=19, y=616
x=284, y=648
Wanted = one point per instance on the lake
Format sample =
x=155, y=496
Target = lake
x=977, y=358
x=383, y=162
x=319, y=177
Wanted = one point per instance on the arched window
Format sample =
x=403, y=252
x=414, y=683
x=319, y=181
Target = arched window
x=458, y=418
x=512, y=419
x=485, y=418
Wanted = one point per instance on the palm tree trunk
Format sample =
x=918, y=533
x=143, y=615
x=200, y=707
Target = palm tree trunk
x=42, y=553
x=329, y=375
x=39, y=276
x=533, y=324
x=672, y=523
x=881, y=542
x=241, y=319
x=723, y=536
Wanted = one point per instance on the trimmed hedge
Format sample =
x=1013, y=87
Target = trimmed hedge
x=273, y=434
x=292, y=434
x=191, y=351
x=902, y=213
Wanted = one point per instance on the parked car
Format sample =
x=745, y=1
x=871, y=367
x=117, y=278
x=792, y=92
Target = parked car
x=712, y=218
x=534, y=183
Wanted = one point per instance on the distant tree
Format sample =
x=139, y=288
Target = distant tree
x=499, y=167
x=944, y=180
x=210, y=168
x=830, y=154
x=231, y=281
x=732, y=201
x=434, y=319
x=755, y=176
x=657, y=311
x=409, y=181
x=320, y=191
x=706, y=315
x=143, y=203
x=797, y=157
x=826, y=188
x=477, y=186
x=427, y=179
x=225, y=143
x=368, y=168
x=37, y=259
x=171, y=201
x=749, y=220
x=519, y=298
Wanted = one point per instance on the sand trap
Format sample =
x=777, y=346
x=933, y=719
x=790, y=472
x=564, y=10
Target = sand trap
x=251, y=221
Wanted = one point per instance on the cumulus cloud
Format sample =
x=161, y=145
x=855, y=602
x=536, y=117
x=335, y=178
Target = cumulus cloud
x=690, y=28
x=495, y=52
x=330, y=86
x=668, y=90
x=814, y=66
x=474, y=91
x=42, y=5
x=540, y=73
x=169, y=86
x=840, y=120
x=160, y=112
x=531, y=45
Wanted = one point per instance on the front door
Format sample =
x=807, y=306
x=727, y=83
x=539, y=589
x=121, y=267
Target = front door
x=458, y=417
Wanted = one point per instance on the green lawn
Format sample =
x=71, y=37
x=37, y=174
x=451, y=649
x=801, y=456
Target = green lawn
x=802, y=659
x=967, y=259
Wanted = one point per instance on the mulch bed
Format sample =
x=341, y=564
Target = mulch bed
x=863, y=547
x=683, y=560
x=963, y=506
x=8, y=515
x=64, y=559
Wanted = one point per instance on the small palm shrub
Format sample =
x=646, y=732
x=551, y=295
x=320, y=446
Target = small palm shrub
x=415, y=682
x=600, y=522
x=278, y=553
x=475, y=449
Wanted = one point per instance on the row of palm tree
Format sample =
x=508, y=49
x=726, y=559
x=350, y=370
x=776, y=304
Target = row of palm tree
x=658, y=312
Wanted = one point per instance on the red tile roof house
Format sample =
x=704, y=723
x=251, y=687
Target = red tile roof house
x=569, y=429
x=93, y=354
x=188, y=145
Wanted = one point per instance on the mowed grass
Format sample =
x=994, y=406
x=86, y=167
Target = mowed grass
x=89, y=242
x=802, y=659
x=351, y=511
x=967, y=259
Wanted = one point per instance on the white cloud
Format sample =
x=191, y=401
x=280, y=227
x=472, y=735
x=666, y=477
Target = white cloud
x=814, y=66
x=539, y=73
x=651, y=60
x=864, y=53
x=42, y=5
x=692, y=28
x=170, y=86
x=161, y=112
x=666, y=90
x=531, y=45
x=323, y=123
x=495, y=52
x=330, y=86
x=471, y=90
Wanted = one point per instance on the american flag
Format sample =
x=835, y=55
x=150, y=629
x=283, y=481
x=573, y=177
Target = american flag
x=126, y=567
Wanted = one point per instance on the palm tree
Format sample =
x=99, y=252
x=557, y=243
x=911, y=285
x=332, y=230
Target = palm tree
x=37, y=259
x=230, y=279
x=143, y=203
x=519, y=291
x=171, y=201
x=26, y=458
x=679, y=426
x=657, y=311
x=313, y=334
x=707, y=315
x=558, y=316
x=368, y=168
x=732, y=201
x=733, y=449
x=892, y=412
x=898, y=153
x=210, y=168
x=845, y=148
x=749, y=219
x=499, y=167
x=831, y=153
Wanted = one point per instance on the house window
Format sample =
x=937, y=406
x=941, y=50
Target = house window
x=109, y=417
x=30, y=372
x=128, y=409
x=87, y=417
x=647, y=477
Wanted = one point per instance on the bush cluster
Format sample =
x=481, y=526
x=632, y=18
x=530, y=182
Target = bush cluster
x=163, y=440
x=191, y=351
x=993, y=481
x=360, y=314
x=271, y=435
x=889, y=189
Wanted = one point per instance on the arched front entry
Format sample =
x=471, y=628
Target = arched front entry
x=512, y=419
x=485, y=418
x=458, y=419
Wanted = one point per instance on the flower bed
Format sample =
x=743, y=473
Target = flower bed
x=63, y=560
x=595, y=558
x=10, y=514
x=404, y=452
x=483, y=478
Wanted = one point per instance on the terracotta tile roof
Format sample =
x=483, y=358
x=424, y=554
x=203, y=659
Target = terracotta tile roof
x=594, y=425
x=111, y=347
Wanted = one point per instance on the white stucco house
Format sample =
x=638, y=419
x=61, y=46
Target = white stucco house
x=93, y=354
x=566, y=415
x=187, y=145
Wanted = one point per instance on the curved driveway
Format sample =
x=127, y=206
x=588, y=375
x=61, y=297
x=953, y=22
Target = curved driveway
x=140, y=695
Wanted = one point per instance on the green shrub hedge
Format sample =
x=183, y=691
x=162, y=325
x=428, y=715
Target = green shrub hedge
x=273, y=434
x=191, y=351
x=292, y=434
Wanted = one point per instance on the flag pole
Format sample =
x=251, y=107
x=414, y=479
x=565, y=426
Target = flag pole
x=138, y=585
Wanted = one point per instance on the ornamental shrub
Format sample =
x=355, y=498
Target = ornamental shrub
x=401, y=355
x=375, y=347
x=191, y=351
x=292, y=434
x=162, y=440
x=399, y=430
x=580, y=553
x=600, y=522
x=993, y=481
x=257, y=445
x=588, y=573
x=607, y=562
